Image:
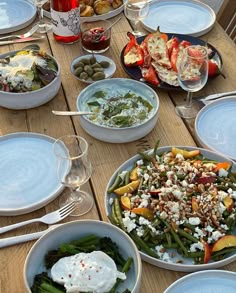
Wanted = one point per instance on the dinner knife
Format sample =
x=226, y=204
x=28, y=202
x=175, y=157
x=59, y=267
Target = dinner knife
x=214, y=96
x=4, y=242
x=23, y=40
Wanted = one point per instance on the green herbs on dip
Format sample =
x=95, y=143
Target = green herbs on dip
x=123, y=110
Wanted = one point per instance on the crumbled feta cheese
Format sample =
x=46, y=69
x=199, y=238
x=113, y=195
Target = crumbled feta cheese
x=199, y=233
x=168, y=182
x=140, y=231
x=222, y=208
x=216, y=235
x=140, y=162
x=177, y=193
x=194, y=221
x=196, y=246
x=129, y=224
x=163, y=215
x=143, y=221
x=223, y=173
x=179, y=157
x=184, y=183
x=209, y=228
x=144, y=203
x=146, y=177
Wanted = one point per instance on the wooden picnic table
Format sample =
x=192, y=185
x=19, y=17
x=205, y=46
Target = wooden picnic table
x=105, y=157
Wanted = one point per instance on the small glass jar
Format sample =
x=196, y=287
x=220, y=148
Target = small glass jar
x=94, y=38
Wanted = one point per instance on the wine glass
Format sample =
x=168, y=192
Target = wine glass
x=44, y=26
x=192, y=75
x=136, y=10
x=73, y=170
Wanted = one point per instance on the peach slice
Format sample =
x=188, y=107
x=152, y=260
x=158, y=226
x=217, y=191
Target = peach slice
x=207, y=251
x=224, y=242
x=129, y=188
x=229, y=203
x=134, y=174
x=222, y=165
x=184, y=153
x=144, y=212
x=125, y=202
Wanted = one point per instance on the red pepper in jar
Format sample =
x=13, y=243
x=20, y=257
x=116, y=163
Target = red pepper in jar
x=133, y=54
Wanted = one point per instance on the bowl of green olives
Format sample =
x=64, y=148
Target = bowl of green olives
x=91, y=68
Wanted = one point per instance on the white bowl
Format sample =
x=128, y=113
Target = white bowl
x=113, y=134
x=34, y=263
x=28, y=100
x=107, y=71
x=187, y=265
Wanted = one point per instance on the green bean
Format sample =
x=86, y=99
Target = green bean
x=195, y=254
x=86, y=239
x=127, y=177
x=156, y=148
x=143, y=246
x=223, y=251
x=179, y=242
x=145, y=156
x=187, y=235
x=125, y=269
x=118, y=213
x=115, y=184
x=172, y=245
x=113, y=212
x=189, y=226
x=168, y=238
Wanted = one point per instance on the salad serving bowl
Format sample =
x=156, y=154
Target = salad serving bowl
x=144, y=218
x=38, y=95
x=124, y=110
x=65, y=233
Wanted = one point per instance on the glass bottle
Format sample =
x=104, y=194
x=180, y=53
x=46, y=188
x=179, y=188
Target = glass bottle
x=65, y=15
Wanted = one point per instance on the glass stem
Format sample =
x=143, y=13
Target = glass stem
x=74, y=194
x=189, y=100
x=40, y=15
x=135, y=25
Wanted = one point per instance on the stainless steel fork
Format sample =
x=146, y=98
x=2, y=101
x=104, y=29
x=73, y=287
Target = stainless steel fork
x=51, y=218
x=26, y=35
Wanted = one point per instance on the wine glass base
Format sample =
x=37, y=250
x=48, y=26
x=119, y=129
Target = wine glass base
x=44, y=28
x=186, y=112
x=84, y=202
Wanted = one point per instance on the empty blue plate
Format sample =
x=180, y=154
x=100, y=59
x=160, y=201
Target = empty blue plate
x=215, y=126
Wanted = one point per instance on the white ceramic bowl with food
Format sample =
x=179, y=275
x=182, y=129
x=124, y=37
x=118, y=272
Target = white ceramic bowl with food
x=170, y=258
x=29, y=98
x=117, y=116
x=71, y=231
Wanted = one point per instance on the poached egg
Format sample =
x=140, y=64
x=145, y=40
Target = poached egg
x=85, y=272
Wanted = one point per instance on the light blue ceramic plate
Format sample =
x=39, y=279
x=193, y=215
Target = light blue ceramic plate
x=215, y=126
x=212, y=281
x=15, y=15
x=28, y=173
x=187, y=17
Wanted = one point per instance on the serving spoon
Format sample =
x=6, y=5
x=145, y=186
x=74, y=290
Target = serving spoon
x=72, y=113
x=98, y=37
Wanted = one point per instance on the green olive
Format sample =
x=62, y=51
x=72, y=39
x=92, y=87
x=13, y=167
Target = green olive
x=78, y=70
x=92, y=60
x=98, y=70
x=104, y=64
x=89, y=70
x=98, y=76
x=96, y=65
x=79, y=64
x=85, y=61
x=83, y=75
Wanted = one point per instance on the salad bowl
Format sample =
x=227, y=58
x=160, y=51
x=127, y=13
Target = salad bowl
x=154, y=218
x=12, y=98
x=76, y=230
